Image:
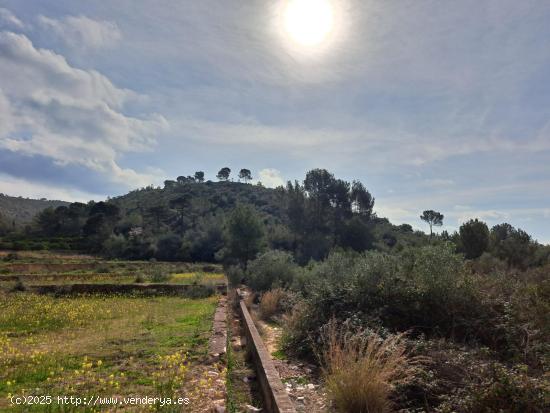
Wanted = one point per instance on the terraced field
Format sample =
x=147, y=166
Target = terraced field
x=42, y=268
x=104, y=347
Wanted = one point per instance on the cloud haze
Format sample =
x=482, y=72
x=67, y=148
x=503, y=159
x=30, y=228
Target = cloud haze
x=81, y=31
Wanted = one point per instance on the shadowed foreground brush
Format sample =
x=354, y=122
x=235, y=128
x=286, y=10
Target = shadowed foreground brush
x=361, y=370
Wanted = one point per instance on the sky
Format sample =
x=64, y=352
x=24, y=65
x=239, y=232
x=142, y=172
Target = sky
x=432, y=105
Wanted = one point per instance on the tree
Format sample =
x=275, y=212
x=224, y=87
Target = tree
x=245, y=175
x=295, y=209
x=199, y=176
x=515, y=246
x=169, y=184
x=433, y=218
x=158, y=213
x=405, y=228
x=223, y=174
x=168, y=247
x=100, y=223
x=318, y=184
x=245, y=234
x=47, y=222
x=474, y=238
x=4, y=227
x=180, y=204
x=109, y=210
x=357, y=235
x=362, y=201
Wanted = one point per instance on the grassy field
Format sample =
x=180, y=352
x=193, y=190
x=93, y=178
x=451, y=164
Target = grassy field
x=202, y=278
x=43, y=268
x=100, y=345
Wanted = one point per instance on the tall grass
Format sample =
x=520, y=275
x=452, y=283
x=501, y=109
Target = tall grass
x=270, y=303
x=361, y=371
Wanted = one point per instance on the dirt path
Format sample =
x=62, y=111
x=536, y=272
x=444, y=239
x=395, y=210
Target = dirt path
x=205, y=383
x=300, y=379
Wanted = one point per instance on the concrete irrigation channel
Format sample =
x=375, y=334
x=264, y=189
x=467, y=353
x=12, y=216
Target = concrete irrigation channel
x=273, y=392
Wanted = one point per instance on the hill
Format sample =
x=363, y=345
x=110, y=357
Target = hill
x=192, y=220
x=22, y=210
x=188, y=219
x=203, y=199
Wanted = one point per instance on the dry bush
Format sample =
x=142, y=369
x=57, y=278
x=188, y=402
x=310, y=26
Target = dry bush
x=361, y=371
x=249, y=300
x=270, y=303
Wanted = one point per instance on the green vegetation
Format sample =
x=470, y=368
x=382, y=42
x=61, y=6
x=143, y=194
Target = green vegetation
x=15, y=212
x=245, y=234
x=192, y=220
x=102, y=345
x=433, y=219
x=474, y=238
x=475, y=303
x=232, y=222
x=26, y=269
x=485, y=333
x=361, y=370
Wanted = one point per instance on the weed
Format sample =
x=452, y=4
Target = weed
x=270, y=303
x=361, y=370
x=158, y=274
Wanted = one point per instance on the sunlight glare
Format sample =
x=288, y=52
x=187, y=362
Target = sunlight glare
x=309, y=22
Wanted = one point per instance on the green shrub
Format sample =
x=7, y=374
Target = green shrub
x=488, y=263
x=158, y=274
x=200, y=291
x=114, y=246
x=198, y=278
x=425, y=290
x=235, y=275
x=499, y=389
x=518, y=325
x=271, y=269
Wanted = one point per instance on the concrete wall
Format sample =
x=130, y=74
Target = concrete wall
x=275, y=397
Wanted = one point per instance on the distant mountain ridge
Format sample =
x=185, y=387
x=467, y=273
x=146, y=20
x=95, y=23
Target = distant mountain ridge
x=22, y=210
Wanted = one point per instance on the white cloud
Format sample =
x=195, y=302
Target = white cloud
x=271, y=177
x=265, y=136
x=396, y=214
x=438, y=183
x=70, y=115
x=81, y=31
x=9, y=19
x=482, y=214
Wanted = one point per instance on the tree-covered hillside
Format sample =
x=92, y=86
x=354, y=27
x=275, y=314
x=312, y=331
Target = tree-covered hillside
x=231, y=222
x=20, y=211
x=188, y=219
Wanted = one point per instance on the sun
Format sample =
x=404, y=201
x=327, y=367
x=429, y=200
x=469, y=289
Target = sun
x=308, y=22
